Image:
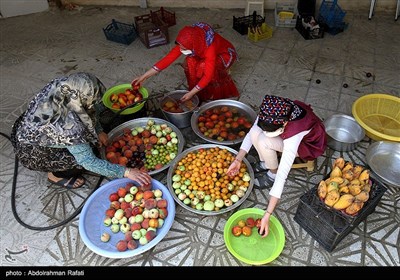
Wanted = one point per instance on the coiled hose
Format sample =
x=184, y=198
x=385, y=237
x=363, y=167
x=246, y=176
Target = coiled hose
x=13, y=205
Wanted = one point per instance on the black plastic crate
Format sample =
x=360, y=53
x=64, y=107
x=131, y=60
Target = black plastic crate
x=327, y=225
x=306, y=7
x=307, y=33
x=242, y=24
x=168, y=17
x=120, y=32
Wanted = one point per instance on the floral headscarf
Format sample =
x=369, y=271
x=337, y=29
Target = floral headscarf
x=63, y=113
x=196, y=38
x=277, y=110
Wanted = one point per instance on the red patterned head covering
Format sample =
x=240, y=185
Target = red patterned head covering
x=196, y=37
x=277, y=110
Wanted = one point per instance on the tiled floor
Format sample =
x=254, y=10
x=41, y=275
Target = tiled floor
x=36, y=48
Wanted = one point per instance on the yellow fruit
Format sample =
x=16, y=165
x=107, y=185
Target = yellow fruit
x=364, y=176
x=355, y=182
x=332, y=186
x=344, y=201
x=345, y=183
x=348, y=166
x=362, y=196
x=344, y=189
x=354, y=207
x=366, y=188
x=355, y=189
x=348, y=174
x=339, y=162
x=322, y=189
x=336, y=172
x=338, y=180
x=332, y=197
x=357, y=170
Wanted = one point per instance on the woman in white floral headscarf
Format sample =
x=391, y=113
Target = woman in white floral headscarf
x=60, y=128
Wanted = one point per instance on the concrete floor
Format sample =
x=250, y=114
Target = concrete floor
x=38, y=47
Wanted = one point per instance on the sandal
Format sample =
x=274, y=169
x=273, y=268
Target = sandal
x=264, y=181
x=68, y=182
x=258, y=168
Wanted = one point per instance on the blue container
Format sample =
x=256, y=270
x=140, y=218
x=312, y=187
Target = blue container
x=91, y=225
x=120, y=32
x=331, y=14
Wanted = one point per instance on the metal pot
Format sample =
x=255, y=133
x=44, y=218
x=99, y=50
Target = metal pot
x=180, y=120
x=344, y=133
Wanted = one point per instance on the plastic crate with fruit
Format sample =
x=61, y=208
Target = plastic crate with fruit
x=259, y=33
x=152, y=30
x=168, y=17
x=242, y=24
x=120, y=32
x=329, y=226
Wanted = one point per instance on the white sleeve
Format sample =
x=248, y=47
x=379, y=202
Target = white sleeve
x=290, y=147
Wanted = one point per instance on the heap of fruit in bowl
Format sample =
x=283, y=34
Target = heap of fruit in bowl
x=128, y=97
x=200, y=181
x=147, y=148
x=245, y=227
x=224, y=123
x=137, y=212
x=172, y=105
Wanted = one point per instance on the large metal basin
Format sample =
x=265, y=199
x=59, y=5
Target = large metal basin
x=242, y=108
x=119, y=130
x=384, y=160
x=344, y=133
x=171, y=172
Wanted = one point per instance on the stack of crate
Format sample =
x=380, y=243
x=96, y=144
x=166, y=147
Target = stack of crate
x=153, y=28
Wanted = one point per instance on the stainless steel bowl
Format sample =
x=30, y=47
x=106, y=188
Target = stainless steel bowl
x=171, y=172
x=181, y=120
x=119, y=130
x=244, y=109
x=344, y=133
x=384, y=160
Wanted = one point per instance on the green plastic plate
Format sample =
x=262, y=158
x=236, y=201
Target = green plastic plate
x=254, y=249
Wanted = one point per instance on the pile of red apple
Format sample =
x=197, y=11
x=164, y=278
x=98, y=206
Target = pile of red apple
x=224, y=123
x=137, y=212
x=126, y=98
x=245, y=227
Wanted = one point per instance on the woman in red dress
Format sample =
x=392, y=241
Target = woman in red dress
x=208, y=59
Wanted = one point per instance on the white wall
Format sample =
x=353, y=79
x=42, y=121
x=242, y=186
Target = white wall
x=10, y=8
x=347, y=5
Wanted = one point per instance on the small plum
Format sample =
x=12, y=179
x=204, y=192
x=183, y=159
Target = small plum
x=163, y=212
x=122, y=245
x=105, y=237
x=162, y=203
x=150, y=234
x=115, y=205
x=145, y=223
x=246, y=231
x=132, y=244
x=250, y=222
x=135, y=226
x=114, y=197
x=107, y=221
x=121, y=192
x=150, y=203
x=128, y=235
x=148, y=194
x=153, y=222
x=110, y=212
x=124, y=205
x=241, y=223
x=236, y=230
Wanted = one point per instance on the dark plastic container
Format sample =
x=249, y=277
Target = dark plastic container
x=329, y=226
x=168, y=17
x=306, y=7
x=120, y=32
x=242, y=24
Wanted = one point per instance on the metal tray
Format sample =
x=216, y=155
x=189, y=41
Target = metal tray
x=384, y=160
x=244, y=108
x=119, y=130
x=202, y=212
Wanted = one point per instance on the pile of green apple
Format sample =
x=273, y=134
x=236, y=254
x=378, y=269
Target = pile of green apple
x=137, y=212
